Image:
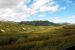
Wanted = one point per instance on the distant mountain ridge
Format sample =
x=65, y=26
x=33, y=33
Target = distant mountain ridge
x=38, y=23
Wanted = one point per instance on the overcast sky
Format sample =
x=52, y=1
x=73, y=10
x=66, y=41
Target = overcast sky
x=53, y=10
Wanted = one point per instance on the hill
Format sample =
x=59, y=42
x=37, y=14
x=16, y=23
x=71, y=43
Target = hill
x=38, y=23
x=15, y=36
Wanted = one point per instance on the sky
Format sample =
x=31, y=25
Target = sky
x=57, y=11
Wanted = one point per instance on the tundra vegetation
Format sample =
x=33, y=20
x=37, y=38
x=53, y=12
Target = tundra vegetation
x=20, y=36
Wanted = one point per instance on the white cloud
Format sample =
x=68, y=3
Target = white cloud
x=56, y=19
x=46, y=5
x=39, y=3
x=71, y=19
x=11, y=15
x=68, y=19
x=17, y=10
x=18, y=13
x=53, y=8
x=9, y=3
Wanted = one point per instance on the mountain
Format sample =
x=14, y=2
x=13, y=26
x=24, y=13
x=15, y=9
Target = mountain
x=38, y=23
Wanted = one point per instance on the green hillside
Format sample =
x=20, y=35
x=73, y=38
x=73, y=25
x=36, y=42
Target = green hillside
x=15, y=36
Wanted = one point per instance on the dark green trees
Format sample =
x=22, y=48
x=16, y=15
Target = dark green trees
x=37, y=23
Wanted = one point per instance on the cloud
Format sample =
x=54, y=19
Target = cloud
x=71, y=19
x=11, y=15
x=39, y=3
x=53, y=8
x=9, y=3
x=15, y=11
x=56, y=19
x=46, y=5
x=68, y=19
x=18, y=10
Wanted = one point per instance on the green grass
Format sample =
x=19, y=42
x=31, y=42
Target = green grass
x=27, y=37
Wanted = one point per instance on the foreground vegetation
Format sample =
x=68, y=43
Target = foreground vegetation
x=15, y=36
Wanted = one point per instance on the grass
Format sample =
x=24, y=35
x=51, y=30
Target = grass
x=27, y=37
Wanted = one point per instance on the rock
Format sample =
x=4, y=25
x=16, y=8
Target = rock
x=24, y=28
x=2, y=31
